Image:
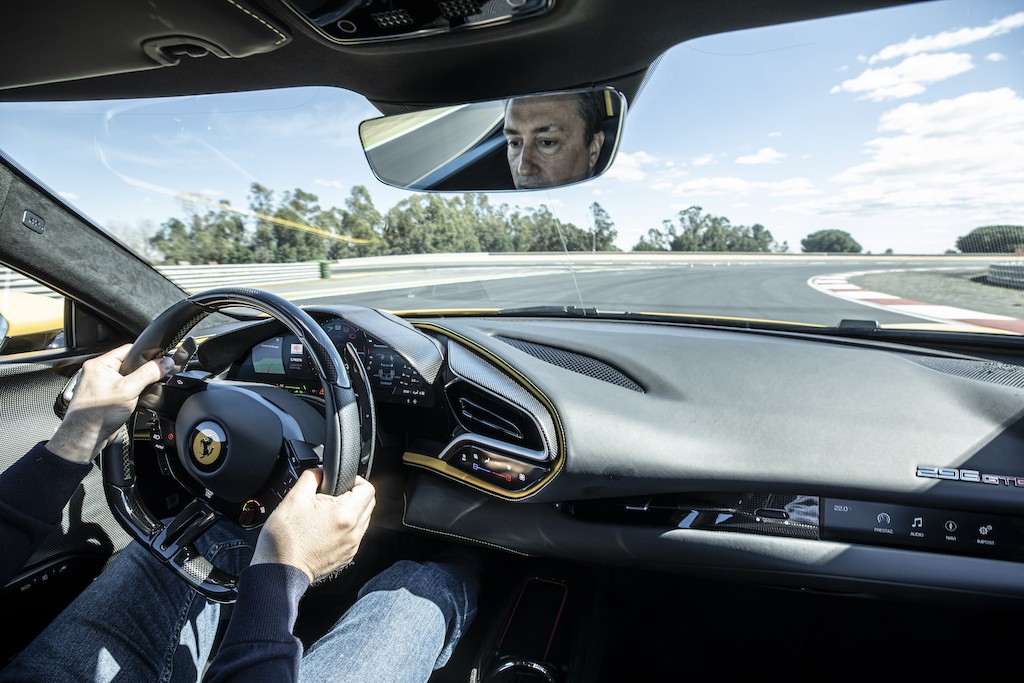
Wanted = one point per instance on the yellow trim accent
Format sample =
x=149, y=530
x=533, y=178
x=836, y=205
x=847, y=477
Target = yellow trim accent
x=447, y=311
x=694, y=316
x=444, y=468
x=439, y=466
x=688, y=316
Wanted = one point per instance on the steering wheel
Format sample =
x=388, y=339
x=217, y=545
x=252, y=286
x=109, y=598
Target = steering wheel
x=236, y=447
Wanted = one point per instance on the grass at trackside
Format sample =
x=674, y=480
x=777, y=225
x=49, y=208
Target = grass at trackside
x=963, y=288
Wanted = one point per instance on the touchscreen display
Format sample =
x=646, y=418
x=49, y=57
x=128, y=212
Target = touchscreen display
x=266, y=357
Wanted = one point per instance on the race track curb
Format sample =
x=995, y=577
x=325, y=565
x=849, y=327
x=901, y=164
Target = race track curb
x=838, y=285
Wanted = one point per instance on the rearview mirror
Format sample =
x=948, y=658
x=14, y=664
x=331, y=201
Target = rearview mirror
x=520, y=143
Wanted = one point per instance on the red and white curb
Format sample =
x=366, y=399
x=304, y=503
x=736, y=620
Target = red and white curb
x=838, y=285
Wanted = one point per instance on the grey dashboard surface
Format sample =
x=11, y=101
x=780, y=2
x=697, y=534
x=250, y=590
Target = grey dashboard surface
x=738, y=411
x=717, y=411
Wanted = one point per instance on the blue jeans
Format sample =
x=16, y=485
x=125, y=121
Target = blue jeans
x=139, y=622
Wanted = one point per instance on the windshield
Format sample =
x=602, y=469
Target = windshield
x=862, y=167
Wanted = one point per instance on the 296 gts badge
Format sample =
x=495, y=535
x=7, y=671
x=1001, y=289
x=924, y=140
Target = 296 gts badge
x=972, y=476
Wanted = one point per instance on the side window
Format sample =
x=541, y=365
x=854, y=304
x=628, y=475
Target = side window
x=31, y=315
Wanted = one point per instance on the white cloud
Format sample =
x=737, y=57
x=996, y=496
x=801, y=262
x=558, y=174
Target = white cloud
x=995, y=57
x=906, y=79
x=703, y=160
x=948, y=40
x=765, y=155
x=775, y=134
x=630, y=168
x=70, y=196
x=336, y=184
x=958, y=156
x=209, y=192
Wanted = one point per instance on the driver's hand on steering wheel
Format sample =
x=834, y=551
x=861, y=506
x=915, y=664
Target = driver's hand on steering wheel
x=102, y=402
x=316, y=532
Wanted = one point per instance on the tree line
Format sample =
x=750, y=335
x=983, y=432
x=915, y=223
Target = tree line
x=293, y=226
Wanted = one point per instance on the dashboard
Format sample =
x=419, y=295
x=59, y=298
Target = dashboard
x=781, y=458
x=283, y=361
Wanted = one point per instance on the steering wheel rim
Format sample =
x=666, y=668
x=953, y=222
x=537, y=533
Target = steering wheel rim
x=173, y=543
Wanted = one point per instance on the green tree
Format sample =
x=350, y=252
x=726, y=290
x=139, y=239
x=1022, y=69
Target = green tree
x=655, y=239
x=490, y=222
x=695, y=230
x=360, y=220
x=263, y=243
x=602, y=230
x=538, y=229
x=992, y=239
x=218, y=236
x=297, y=212
x=428, y=224
x=830, y=242
x=174, y=242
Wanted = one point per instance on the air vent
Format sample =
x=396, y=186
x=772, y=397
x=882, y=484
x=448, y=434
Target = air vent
x=482, y=413
x=471, y=412
x=980, y=370
x=576, y=362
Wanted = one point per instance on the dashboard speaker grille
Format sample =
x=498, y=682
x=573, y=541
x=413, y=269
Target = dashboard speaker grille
x=576, y=362
x=982, y=371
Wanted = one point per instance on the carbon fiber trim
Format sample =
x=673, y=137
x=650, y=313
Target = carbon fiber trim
x=199, y=568
x=472, y=368
x=423, y=352
x=992, y=372
x=576, y=362
x=27, y=391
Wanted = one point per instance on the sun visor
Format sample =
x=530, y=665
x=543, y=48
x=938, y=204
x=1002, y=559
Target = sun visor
x=138, y=36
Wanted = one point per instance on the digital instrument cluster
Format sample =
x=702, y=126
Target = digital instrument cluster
x=284, y=361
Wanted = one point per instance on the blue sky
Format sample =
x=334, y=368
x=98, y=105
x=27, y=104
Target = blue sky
x=904, y=127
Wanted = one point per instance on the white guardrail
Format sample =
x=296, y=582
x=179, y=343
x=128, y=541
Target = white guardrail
x=197, y=278
x=1006, y=274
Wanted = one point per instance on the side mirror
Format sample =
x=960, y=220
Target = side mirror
x=521, y=143
x=4, y=327
x=30, y=322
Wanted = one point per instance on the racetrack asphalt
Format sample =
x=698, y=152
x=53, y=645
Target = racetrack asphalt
x=913, y=292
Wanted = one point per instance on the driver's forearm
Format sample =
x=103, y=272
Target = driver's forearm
x=258, y=644
x=76, y=439
x=33, y=492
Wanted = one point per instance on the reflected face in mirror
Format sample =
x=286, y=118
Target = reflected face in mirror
x=553, y=140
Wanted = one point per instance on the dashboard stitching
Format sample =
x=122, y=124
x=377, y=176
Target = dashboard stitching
x=405, y=510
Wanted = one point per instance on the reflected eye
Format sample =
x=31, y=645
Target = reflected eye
x=548, y=146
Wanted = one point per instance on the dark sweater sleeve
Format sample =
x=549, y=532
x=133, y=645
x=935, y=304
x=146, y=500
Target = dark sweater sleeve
x=33, y=492
x=258, y=644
